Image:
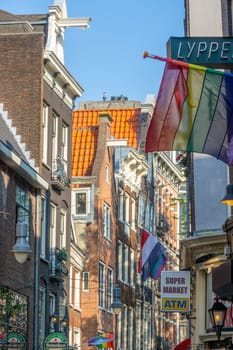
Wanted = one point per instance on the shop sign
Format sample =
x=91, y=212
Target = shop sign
x=15, y=341
x=56, y=341
x=206, y=51
x=175, y=291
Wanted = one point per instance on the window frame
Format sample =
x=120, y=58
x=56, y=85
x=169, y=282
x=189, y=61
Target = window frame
x=107, y=221
x=101, y=285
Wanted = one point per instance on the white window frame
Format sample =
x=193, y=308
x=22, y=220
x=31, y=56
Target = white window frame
x=84, y=216
x=107, y=173
x=101, y=285
x=71, y=285
x=141, y=209
x=125, y=328
x=77, y=290
x=126, y=214
x=120, y=261
x=121, y=206
x=52, y=237
x=23, y=208
x=45, y=133
x=109, y=287
x=133, y=214
x=107, y=221
x=54, y=140
x=64, y=145
x=131, y=272
x=63, y=225
x=126, y=264
x=85, y=280
x=130, y=329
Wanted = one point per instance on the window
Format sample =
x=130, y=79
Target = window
x=52, y=310
x=130, y=330
x=63, y=230
x=133, y=214
x=131, y=277
x=126, y=213
x=23, y=207
x=125, y=323
x=43, y=227
x=107, y=233
x=81, y=203
x=64, y=146
x=85, y=281
x=52, y=233
x=77, y=290
x=13, y=312
x=121, y=206
x=120, y=261
x=101, y=286
x=107, y=173
x=54, y=140
x=45, y=134
x=141, y=207
x=126, y=264
x=42, y=322
x=109, y=288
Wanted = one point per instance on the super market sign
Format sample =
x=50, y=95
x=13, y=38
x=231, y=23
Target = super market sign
x=175, y=291
x=207, y=51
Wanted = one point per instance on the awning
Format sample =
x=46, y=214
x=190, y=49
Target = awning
x=184, y=345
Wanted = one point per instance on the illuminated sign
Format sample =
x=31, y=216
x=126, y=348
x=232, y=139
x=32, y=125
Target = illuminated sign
x=56, y=341
x=175, y=291
x=206, y=51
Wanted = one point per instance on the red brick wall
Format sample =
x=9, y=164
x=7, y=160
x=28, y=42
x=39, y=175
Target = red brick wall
x=21, y=72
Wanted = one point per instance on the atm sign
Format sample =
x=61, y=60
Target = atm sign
x=173, y=304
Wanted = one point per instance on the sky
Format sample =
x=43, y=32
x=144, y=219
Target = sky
x=108, y=56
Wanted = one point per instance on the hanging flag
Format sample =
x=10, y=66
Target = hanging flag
x=193, y=112
x=152, y=258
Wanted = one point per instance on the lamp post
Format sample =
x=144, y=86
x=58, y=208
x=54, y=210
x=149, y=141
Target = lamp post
x=21, y=249
x=116, y=307
x=217, y=316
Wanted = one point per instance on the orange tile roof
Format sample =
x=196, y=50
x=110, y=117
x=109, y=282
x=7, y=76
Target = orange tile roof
x=125, y=125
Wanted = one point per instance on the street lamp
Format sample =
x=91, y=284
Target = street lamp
x=21, y=249
x=217, y=316
x=117, y=306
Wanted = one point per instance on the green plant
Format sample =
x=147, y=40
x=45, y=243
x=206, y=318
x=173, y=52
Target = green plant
x=62, y=254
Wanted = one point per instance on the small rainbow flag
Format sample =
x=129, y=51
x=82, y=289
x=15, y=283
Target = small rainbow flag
x=193, y=112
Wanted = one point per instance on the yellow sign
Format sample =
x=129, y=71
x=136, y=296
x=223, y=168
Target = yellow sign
x=175, y=304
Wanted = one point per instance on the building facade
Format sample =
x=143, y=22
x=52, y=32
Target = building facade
x=39, y=98
x=204, y=249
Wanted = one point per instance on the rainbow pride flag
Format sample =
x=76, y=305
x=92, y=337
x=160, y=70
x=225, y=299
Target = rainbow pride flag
x=193, y=112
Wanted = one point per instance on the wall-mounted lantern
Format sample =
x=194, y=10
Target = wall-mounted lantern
x=21, y=249
x=217, y=316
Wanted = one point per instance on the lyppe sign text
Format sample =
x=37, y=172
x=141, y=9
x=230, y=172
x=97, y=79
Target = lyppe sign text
x=207, y=51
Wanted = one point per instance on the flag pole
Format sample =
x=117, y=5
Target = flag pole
x=185, y=64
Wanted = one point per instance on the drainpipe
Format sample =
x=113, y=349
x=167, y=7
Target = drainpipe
x=36, y=289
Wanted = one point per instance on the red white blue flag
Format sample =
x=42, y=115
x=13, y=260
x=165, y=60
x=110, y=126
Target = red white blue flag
x=153, y=258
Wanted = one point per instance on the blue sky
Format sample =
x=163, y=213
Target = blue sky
x=108, y=57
